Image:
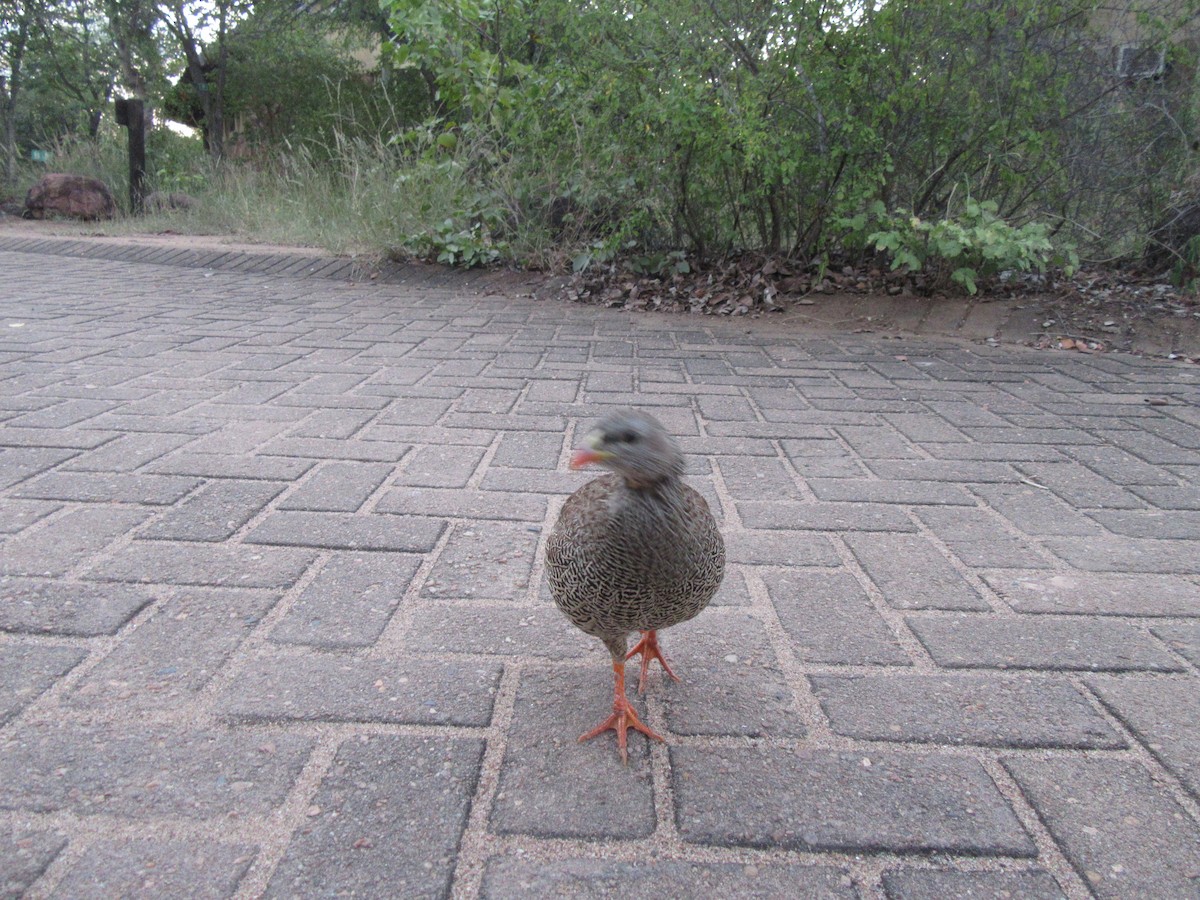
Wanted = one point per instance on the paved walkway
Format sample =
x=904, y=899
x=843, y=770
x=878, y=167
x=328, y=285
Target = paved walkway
x=273, y=620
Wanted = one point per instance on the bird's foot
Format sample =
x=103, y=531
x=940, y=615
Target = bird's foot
x=622, y=719
x=649, y=649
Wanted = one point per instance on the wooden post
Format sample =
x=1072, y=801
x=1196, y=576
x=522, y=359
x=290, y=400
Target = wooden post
x=131, y=115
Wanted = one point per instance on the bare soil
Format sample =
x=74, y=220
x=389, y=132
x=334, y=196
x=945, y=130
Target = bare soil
x=1097, y=311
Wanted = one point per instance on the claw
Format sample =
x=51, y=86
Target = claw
x=623, y=717
x=649, y=649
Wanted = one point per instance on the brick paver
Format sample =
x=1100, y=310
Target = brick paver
x=273, y=617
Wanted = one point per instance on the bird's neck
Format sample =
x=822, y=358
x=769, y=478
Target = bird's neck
x=667, y=485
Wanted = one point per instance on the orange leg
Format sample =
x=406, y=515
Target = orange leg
x=623, y=716
x=648, y=647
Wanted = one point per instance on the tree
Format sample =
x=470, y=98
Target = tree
x=17, y=18
x=284, y=81
x=64, y=59
x=282, y=73
x=77, y=58
x=185, y=20
x=132, y=29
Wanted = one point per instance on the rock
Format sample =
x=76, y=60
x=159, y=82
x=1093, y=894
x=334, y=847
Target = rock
x=71, y=196
x=159, y=201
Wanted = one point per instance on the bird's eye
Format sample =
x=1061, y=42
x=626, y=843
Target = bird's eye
x=630, y=437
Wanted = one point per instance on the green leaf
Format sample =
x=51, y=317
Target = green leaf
x=949, y=248
x=885, y=240
x=966, y=277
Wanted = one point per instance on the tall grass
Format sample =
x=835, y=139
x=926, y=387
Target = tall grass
x=347, y=200
x=104, y=158
x=361, y=195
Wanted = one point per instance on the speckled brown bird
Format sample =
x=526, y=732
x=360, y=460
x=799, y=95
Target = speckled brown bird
x=633, y=550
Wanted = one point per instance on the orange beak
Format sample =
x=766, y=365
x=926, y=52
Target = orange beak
x=585, y=456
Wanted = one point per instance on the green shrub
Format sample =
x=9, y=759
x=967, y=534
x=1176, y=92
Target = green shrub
x=963, y=250
x=711, y=127
x=1185, y=274
x=454, y=245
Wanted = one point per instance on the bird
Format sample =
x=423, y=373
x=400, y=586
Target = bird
x=635, y=549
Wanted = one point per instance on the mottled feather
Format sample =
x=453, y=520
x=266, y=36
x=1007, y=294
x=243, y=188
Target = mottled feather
x=628, y=555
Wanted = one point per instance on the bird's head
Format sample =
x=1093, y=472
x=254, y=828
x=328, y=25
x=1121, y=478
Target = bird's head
x=634, y=445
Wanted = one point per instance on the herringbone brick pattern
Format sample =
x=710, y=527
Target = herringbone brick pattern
x=273, y=618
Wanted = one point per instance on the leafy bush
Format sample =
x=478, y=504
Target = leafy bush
x=1185, y=274
x=711, y=126
x=454, y=245
x=176, y=162
x=963, y=250
x=670, y=132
